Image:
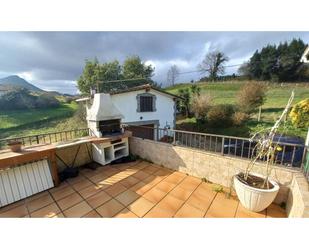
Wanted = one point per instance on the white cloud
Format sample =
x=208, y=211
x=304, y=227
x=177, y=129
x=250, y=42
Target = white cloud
x=150, y=63
x=28, y=76
x=63, y=86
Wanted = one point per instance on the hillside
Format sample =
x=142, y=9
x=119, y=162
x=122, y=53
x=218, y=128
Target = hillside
x=25, y=122
x=226, y=93
x=15, y=81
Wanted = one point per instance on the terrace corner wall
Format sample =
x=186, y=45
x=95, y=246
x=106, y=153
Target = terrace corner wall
x=298, y=198
x=216, y=168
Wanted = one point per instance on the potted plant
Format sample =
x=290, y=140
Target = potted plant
x=255, y=191
x=15, y=145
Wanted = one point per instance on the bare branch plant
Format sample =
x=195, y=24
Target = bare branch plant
x=266, y=148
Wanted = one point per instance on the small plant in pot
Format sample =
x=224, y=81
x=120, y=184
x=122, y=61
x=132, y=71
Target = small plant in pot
x=255, y=191
x=15, y=145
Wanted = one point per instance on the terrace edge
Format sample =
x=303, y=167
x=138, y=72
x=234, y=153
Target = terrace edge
x=219, y=169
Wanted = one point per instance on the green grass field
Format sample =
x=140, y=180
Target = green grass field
x=226, y=93
x=27, y=122
x=30, y=122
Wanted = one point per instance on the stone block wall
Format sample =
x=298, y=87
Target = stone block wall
x=216, y=168
x=298, y=198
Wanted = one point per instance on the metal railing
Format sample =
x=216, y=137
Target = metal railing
x=46, y=138
x=291, y=155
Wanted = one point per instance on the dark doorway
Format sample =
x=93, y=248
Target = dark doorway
x=143, y=131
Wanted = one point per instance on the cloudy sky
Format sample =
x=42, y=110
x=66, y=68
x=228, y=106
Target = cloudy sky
x=54, y=60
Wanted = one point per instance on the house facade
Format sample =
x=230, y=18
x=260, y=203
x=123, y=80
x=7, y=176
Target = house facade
x=305, y=56
x=146, y=106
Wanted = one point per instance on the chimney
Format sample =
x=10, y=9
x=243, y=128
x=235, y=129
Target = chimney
x=103, y=117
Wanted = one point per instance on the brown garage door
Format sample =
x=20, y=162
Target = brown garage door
x=144, y=131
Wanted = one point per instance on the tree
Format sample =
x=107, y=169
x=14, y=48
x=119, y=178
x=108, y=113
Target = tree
x=243, y=70
x=133, y=67
x=277, y=63
x=172, y=74
x=255, y=66
x=269, y=63
x=289, y=60
x=109, y=71
x=89, y=76
x=95, y=72
x=213, y=64
x=184, y=102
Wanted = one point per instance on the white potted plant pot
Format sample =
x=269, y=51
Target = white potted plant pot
x=255, y=199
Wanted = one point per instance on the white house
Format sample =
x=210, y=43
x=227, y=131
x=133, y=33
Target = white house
x=305, y=56
x=138, y=106
x=146, y=106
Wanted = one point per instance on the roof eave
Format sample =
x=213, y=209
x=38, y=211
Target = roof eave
x=145, y=87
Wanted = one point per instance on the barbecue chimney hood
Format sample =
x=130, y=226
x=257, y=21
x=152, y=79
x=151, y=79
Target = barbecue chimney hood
x=103, y=117
x=103, y=108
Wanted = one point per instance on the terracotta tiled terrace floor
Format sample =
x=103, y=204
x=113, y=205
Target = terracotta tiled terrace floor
x=138, y=189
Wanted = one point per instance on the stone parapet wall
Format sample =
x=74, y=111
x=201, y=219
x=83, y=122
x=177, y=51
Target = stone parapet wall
x=215, y=168
x=298, y=198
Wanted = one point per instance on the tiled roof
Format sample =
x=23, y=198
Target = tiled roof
x=143, y=87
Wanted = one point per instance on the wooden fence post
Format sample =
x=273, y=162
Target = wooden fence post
x=259, y=115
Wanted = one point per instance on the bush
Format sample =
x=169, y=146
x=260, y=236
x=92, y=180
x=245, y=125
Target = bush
x=251, y=96
x=196, y=90
x=201, y=105
x=81, y=112
x=239, y=118
x=220, y=115
x=68, y=100
x=46, y=100
x=300, y=114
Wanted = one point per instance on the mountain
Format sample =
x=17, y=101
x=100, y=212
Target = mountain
x=15, y=81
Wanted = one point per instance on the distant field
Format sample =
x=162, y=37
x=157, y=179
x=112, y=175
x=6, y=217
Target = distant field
x=26, y=122
x=226, y=93
x=30, y=122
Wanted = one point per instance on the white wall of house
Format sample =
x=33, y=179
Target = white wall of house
x=305, y=56
x=127, y=105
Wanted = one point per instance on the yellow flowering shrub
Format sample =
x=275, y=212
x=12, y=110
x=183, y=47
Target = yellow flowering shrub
x=300, y=114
